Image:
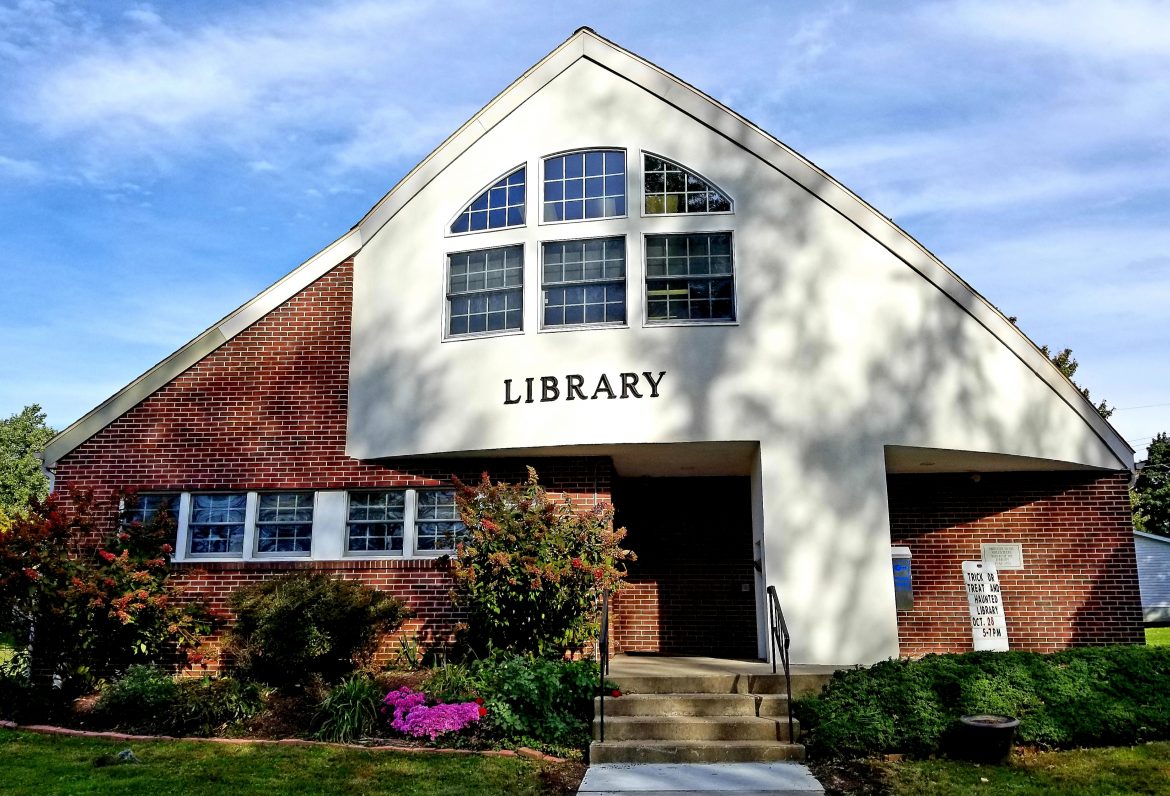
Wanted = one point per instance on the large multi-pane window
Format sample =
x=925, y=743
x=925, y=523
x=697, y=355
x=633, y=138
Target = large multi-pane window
x=584, y=185
x=216, y=526
x=670, y=188
x=584, y=281
x=437, y=526
x=141, y=509
x=485, y=290
x=689, y=277
x=500, y=206
x=284, y=523
x=377, y=522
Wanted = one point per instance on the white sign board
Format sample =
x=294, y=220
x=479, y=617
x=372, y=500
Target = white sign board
x=988, y=626
x=1004, y=556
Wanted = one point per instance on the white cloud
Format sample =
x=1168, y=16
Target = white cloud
x=21, y=169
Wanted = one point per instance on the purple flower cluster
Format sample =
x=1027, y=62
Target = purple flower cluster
x=412, y=716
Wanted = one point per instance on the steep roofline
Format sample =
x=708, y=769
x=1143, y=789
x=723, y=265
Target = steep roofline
x=203, y=344
x=587, y=44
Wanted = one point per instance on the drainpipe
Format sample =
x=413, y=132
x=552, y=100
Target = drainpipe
x=47, y=471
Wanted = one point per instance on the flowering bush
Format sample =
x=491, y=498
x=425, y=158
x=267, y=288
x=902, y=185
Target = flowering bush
x=410, y=715
x=93, y=612
x=531, y=571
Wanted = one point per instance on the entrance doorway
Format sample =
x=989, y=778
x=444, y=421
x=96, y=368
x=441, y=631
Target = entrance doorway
x=692, y=589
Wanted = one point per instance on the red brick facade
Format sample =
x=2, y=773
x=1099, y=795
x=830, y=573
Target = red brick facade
x=1079, y=583
x=267, y=410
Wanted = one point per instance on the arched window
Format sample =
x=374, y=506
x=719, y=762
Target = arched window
x=584, y=185
x=669, y=188
x=501, y=205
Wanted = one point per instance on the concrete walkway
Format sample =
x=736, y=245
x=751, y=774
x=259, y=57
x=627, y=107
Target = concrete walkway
x=681, y=779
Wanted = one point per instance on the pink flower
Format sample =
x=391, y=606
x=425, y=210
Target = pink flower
x=106, y=555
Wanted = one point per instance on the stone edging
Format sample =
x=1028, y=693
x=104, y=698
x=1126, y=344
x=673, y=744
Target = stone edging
x=47, y=729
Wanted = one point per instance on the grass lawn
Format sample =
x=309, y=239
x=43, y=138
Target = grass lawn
x=1139, y=769
x=47, y=764
x=1158, y=636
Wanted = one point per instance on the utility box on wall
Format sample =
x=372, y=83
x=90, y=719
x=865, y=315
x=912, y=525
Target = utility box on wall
x=903, y=578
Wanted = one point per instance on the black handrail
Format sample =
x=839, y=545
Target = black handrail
x=603, y=658
x=780, y=642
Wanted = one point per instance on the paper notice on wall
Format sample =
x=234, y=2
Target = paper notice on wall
x=988, y=626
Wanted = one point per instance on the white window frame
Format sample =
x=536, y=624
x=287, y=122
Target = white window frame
x=539, y=204
x=698, y=230
x=642, y=190
x=574, y=327
x=411, y=529
x=283, y=553
x=523, y=288
x=524, y=208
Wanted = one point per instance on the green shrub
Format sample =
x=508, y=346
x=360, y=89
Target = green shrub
x=529, y=700
x=143, y=700
x=350, y=711
x=211, y=704
x=531, y=571
x=291, y=629
x=1079, y=697
x=148, y=699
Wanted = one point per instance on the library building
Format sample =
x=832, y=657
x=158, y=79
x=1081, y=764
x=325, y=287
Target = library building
x=611, y=277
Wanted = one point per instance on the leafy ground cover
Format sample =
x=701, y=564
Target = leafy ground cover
x=1158, y=636
x=33, y=764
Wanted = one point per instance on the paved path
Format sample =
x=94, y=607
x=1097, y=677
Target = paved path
x=683, y=779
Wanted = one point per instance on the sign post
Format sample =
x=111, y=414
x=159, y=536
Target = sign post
x=988, y=626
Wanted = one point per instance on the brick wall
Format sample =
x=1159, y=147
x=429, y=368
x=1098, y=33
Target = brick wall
x=1079, y=583
x=267, y=410
x=698, y=610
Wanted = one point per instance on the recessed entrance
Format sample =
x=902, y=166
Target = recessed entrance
x=692, y=590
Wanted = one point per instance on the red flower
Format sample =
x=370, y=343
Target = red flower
x=491, y=526
x=166, y=548
x=479, y=700
x=31, y=574
x=576, y=563
x=106, y=555
x=482, y=712
x=123, y=536
x=615, y=693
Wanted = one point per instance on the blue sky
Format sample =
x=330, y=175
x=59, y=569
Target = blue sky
x=162, y=163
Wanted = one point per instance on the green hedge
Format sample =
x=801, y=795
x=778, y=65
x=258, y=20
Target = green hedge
x=1081, y=697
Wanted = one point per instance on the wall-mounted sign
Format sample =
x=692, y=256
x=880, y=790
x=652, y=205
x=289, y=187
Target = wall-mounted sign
x=1004, y=556
x=575, y=387
x=903, y=578
x=988, y=626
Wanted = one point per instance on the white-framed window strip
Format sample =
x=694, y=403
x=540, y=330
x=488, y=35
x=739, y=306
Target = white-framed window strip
x=317, y=525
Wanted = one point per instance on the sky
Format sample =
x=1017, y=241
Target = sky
x=161, y=163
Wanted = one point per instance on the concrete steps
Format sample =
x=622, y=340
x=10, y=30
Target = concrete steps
x=694, y=752
x=699, y=718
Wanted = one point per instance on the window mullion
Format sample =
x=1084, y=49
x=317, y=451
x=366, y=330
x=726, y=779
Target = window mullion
x=408, y=523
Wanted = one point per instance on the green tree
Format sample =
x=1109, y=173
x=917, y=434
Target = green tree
x=22, y=437
x=1151, y=491
x=1065, y=363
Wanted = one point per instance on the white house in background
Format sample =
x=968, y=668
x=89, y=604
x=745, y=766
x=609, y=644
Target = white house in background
x=1153, y=561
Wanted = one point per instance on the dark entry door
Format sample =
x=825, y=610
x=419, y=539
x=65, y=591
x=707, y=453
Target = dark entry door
x=692, y=590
